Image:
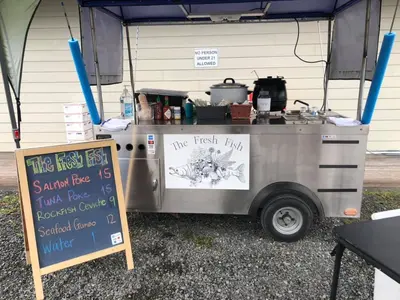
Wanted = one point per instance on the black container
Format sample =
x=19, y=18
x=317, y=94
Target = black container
x=277, y=90
x=172, y=100
x=211, y=112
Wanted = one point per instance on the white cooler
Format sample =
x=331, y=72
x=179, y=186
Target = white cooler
x=385, y=287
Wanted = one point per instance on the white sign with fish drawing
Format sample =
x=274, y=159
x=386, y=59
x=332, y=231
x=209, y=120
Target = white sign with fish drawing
x=207, y=161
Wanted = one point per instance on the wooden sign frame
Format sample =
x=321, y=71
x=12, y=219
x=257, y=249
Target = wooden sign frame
x=28, y=223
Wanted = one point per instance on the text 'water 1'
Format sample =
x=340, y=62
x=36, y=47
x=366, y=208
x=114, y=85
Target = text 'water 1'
x=74, y=203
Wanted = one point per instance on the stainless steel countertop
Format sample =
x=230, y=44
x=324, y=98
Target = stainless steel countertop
x=282, y=119
x=288, y=124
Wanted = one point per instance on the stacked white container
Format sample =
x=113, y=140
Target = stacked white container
x=78, y=125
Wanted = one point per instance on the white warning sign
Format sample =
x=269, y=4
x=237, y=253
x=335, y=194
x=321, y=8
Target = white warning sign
x=206, y=58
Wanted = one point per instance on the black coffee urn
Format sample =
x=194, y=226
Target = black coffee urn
x=276, y=88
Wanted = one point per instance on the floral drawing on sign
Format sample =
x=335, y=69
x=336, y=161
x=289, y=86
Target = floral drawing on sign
x=207, y=161
x=209, y=165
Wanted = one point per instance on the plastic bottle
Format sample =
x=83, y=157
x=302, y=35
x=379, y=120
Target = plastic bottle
x=167, y=110
x=127, y=100
x=122, y=107
x=189, y=110
x=177, y=113
x=158, y=110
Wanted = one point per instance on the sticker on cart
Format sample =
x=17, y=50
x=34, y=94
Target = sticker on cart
x=207, y=161
x=151, y=144
x=116, y=238
x=328, y=137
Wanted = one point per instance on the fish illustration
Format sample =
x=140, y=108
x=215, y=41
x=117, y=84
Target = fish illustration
x=188, y=171
x=209, y=165
x=198, y=154
x=222, y=160
x=213, y=178
x=238, y=172
x=200, y=164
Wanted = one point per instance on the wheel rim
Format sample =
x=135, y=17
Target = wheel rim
x=287, y=220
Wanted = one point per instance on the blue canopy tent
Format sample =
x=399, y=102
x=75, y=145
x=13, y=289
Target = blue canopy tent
x=351, y=53
x=154, y=11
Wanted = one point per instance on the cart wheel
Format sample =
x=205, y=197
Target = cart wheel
x=287, y=217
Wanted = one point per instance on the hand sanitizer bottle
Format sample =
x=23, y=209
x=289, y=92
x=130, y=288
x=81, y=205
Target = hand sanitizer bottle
x=128, y=104
x=122, y=106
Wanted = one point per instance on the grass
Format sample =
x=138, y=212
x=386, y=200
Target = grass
x=200, y=241
x=9, y=205
x=376, y=201
x=17, y=227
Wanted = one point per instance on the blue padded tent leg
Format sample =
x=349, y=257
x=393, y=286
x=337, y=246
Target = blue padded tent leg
x=87, y=92
x=379, y=74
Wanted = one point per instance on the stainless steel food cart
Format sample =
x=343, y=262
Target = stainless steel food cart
x=289, y=169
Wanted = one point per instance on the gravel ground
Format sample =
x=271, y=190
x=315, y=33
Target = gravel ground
x=197, y=257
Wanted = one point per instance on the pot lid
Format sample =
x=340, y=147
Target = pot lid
x=227, y=84
x=270, y=79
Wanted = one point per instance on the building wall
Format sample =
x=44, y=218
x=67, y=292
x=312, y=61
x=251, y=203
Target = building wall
x=165, y=60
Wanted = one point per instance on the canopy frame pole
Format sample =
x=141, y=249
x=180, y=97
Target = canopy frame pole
x=11, y=112
x=132, y=78
x=364, y=61
x=327, y=67
x=96, y=63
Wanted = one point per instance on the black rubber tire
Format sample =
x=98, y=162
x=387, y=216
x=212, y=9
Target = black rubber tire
x=286, y=200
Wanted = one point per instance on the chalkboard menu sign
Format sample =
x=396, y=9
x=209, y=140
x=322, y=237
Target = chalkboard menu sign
x=73, y=204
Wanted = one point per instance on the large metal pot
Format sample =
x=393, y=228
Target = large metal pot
x=229, y=91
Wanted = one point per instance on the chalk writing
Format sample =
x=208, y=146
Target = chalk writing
x=83, y=206
x=58, y=245
x=110, y=219
x=42, y=202
x=106, y=189
x=49, y=186
x=113, y=200
x=74, y=203
x=55, y=213
x=73, y=196
x=79, y=226
x=76, y=179
x=105, y=173
x=68, y=161
x=96, y=157
x=56, y=229
x=40, y=164
x=73, y=180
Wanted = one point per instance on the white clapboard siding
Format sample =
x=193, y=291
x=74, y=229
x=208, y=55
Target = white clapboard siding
x=164, y=59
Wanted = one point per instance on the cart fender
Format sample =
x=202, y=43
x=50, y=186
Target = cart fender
x=285, y=187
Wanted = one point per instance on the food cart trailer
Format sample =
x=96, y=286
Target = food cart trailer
x=287, y=169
